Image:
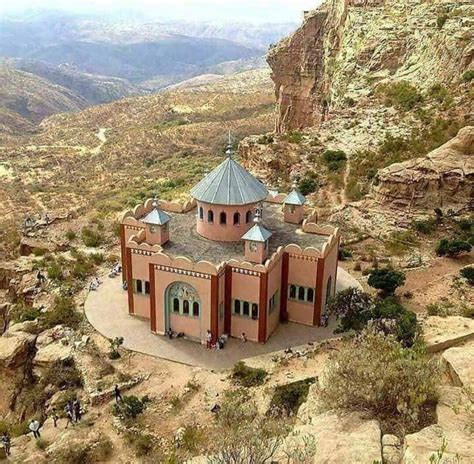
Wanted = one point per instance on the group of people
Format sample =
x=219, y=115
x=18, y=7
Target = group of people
x=116, y=270
x=219, y=344
x=73, y=413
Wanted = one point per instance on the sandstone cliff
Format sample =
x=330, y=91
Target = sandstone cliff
x=346, y=47
x=445, y=177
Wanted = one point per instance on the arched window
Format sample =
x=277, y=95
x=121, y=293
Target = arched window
x=301, y=291
x=185, y=307
x=236, y=219
x=223, y=218
x=201, y=213
x=254, y=311
x=196, y=309
x=248, y=216
x=183, y=299
x=292, y=291
x=237, y=306
x=310, y=295
x=175, y=305
x=210, y=216
x=246, y=309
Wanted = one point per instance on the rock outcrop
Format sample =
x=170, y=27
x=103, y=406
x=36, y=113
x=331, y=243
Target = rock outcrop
x=453, y=431
x=444, y=178
x=441, y=333
x=460, y=362
x=344, y=46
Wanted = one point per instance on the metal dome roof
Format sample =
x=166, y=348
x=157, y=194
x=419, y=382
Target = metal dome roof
x=229, y=184
x=294, y=198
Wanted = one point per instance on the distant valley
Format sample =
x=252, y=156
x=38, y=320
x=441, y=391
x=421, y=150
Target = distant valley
x=69, y=62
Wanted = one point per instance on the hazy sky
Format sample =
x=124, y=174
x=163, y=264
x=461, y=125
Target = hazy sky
x=251, y=10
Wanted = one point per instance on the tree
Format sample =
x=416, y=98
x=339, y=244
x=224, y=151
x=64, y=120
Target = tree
x=387, y=280
x=468, y=273
x=130, y=407
x=452, y=248
x=373, y=374
x=353, y=307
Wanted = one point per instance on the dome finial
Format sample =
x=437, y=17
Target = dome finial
x=258, y=216
x=155, y=203
x=230, y=148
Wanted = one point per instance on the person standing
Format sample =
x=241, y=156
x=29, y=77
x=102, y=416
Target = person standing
x=69, y=414
x=118, y=394
x=34, y=427
x=55, y=416
x=208, y=340
x=77, y=410
x=6, y=442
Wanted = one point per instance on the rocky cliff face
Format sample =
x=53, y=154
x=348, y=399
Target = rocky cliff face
x=443, y=178
x=346, y=47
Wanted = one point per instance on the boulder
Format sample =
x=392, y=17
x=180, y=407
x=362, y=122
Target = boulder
x=443, y=178
x=460, y=362
x=52, y=345
x=453, y=431
x=15, y=349
x=338, y=439
x=26, y=326
x=441, y=333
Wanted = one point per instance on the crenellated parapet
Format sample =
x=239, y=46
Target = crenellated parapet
x=171, y=206
x=184, y=264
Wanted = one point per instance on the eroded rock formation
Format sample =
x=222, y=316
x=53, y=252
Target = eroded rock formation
x=345, y=47
x=444, y=178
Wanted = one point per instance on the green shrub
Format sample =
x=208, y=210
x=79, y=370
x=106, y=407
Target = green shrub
x=441, y=308
x=71, y=235
x=130, y=407
x=294, y=137
x=170, y=124
x=468, y=75
x=287, y=399
x=441, y=20
x=374, y=375
x=39, y=251
x=401, y=94
x=425, y=226
x=63, y=312
x=468, y=273
x=91, y=237
x=334, y=159
x=387, y=280
x=55, y=271
x=307, y=185
x=63, y=374
x=452, y=248
x=41, y=444
x=440, y=93
x=246, y=376
x=143, y=444
x=266, y=139
x=400, y=242
x=21, y=312
x=344, y=254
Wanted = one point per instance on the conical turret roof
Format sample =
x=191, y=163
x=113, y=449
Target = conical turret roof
x=229, y=184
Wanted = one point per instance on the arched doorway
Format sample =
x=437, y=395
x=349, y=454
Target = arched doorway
x=181, y=299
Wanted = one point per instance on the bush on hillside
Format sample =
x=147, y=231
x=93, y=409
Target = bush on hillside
x=246, y=376
x=130, y=407
x=387, y=280
x=63, y=312
x=452, y=248
x=468, y=75
x=468, y=273
x=373, y=374
x=353, y=309
x=334, y=159
x=287, y=399
x=401, y=94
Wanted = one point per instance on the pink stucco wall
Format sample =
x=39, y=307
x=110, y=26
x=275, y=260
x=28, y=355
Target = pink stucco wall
x=259, y=255
x=141, y=303
x=295, y=217
x=301, y=272
x=330, y=270
x=220, y=306
x=219, y=232
x=246, y=288
x=160, y=236
x=274, y=282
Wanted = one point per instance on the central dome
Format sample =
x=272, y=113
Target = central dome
x=229, y=184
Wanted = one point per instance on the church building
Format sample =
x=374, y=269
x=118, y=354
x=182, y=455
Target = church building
x=234, y=260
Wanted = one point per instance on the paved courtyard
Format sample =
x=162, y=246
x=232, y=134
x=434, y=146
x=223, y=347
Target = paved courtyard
x=106, y=309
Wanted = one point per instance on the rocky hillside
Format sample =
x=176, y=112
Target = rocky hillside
x=346, y=48
x=26, y=98
x=363, y=85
